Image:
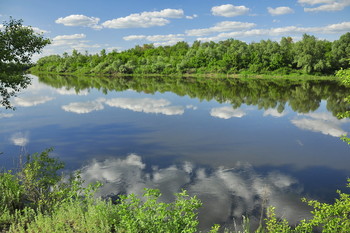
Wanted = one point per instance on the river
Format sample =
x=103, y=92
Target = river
x=236, y=144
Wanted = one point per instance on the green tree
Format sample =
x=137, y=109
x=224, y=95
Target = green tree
x=312, y=55
x=341, y=51
x=18, y=43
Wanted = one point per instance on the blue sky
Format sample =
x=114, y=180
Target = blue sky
x=114, y=24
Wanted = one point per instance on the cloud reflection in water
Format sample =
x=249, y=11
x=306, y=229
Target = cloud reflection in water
x=226, y=193
x=30, y=101
x=227, y=112
x=324, y=123
x=84, y=107
x=146, y=105
x=20, y=139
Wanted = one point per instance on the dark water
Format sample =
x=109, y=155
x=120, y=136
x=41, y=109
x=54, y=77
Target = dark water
x=234, y=143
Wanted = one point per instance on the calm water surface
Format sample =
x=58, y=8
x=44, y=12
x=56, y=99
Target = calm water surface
x=233, y=143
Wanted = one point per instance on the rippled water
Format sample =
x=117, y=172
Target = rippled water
x=235, y=144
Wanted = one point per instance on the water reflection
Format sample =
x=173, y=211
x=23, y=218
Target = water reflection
x=30, y=101
x=269, y=128
x=274, y=113
x=146, y=105
x=20, y=139
x=227, y=112
x=6, y=115
x=84, y=107
x=227, y=194
x=65, y=91
x=323, y=122
x=302, y=95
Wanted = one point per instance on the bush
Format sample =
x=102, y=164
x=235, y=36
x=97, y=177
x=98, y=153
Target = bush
x=326, y=217
x=39, y=199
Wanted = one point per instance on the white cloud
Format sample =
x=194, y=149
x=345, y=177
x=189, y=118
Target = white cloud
x=67, y=43
x=20, y=139
x=227, y=112
x=280, y=10
x=31, y=101
x=229, y=10
x=281, y=31
x=68, y=40
x=70, y=37
x=156, y=38
x=79, y=20
x=145, y=19
x=324, y=123
x=221, y=27
x=325, y=5
x=314, y=2
x=84, y=107
x=135, y=37
x=38, y=30
x=146, y=105
x=191, y=16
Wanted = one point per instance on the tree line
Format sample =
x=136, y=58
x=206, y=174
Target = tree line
x=310, y=55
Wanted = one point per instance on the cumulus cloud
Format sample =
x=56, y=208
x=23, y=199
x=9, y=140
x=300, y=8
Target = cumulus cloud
x=325, y=5
x=84, y=107
x=67, y=39
x=155, y=38
x=31, y=100
x=237, y=191
x=158, y=40
x=70, y=42
x=145, y=19
x=324, y=123
x=191, y=16
x=281, y=31
x=227, y=112
x=20, y=139
x=221, y=27
x=39, y=30
x=146, y=105
x=70, y=37
x=280, y=10
x=79, y=20
x=229, y=10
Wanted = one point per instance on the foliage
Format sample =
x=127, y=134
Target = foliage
x=17, y=45
x=39, y=199
x=344, y=75
x=310, y=56
x=152, y=216
x=328, y=217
